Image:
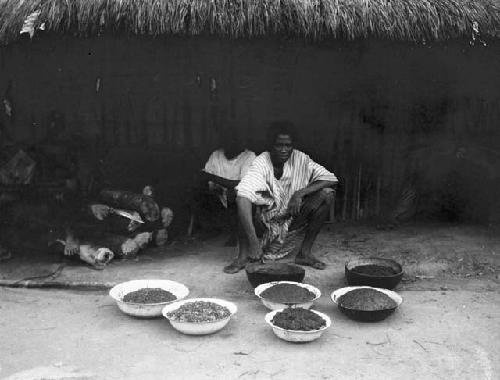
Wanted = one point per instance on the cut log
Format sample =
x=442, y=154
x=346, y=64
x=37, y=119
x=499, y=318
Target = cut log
x=143, y=204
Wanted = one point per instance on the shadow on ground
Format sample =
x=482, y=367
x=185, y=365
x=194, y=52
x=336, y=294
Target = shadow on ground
x=434, y=256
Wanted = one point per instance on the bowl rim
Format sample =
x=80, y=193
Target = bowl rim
x=113, y=292
x=336, y=294
x=350, y=270
x=298, y=268
x=231, y=306
x=269, y=317
x=259, y=289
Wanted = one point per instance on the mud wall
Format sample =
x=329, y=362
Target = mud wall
x=383, y=116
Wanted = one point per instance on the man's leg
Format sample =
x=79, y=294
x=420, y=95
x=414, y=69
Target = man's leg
x=231, y=219
x=313, y=214
x=248, y=242
x=243, y=250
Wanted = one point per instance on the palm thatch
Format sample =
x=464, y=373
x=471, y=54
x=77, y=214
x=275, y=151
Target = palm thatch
x=411, y=20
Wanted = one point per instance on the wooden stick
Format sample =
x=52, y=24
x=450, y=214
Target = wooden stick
x=191, y=225
x=344, y=204
x=353, y=198
x=365, y=210
x=377, y=205
x=332, y=211
x=358, y=193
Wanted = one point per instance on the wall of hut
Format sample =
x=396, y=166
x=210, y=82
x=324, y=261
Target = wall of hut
x=385, y=117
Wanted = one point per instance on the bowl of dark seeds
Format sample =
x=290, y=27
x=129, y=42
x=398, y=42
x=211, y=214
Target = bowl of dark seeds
x=199, y=316
x=366, y=304
x=147, y=298
x=298, y=324
x=375, y=272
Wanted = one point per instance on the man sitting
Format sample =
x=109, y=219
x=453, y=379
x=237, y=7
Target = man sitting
x=222, y=172
x=292, y=194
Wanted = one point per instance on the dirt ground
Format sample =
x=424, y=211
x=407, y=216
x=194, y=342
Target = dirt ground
x=68, y=335
x=441, y=254
x=446, y=328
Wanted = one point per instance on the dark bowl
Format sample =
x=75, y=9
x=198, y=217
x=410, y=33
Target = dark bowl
x=258, y=273
x=376, y=280
x=364, y=315
x=367, y=316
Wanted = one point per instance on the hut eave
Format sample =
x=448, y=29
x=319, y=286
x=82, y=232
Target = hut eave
x=405, y=20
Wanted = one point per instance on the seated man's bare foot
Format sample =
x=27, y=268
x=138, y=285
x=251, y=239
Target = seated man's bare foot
x=72, y=246
x=235, y=266
x=310, y=261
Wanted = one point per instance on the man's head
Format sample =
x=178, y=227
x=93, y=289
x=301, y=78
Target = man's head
x=281, y=137
x=230, y=143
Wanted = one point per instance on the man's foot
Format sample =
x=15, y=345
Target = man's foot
x=310, y=262
x=235, y=266
x=167, y=215
x=72, y=246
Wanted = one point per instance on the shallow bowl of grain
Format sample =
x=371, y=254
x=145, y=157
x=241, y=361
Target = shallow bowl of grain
x=199, y=328
x=146, y=310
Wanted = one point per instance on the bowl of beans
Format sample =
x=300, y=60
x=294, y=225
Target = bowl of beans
x=199, y=316
x=366, y=304
x=281, y=294
x=147, y=298
x=298, y=324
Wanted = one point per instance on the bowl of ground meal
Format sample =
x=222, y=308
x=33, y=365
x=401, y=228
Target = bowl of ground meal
x=147, y=298
x=282, y=294
x=298, y=324
x=366, y=304
x=199, y=316
x=375, y=272
x=259, y=273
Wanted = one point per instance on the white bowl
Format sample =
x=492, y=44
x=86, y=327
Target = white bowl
x=271, y=305
x=199, y=328
x=340, y=292
x=146, y=310
x=297, y=335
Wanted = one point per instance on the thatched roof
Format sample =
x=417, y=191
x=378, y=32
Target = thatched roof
x=411, y=20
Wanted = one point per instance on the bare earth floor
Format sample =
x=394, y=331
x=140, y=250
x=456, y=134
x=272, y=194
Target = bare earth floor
x=63, y=335
x=446, y=328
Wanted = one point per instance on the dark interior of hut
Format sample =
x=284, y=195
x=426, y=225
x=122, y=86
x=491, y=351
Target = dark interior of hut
x=411, y=130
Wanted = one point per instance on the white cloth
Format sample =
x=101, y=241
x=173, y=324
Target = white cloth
x=261, y=187
x=233, y=169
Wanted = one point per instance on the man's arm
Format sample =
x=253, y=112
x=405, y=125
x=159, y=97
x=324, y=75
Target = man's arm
x=315, y=186
x=228, y=183
x=296, y=199
x=246, y=223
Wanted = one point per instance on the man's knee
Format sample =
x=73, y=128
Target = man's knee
x=327, y=195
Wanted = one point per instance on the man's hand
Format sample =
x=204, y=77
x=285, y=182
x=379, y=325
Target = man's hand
x=100, y=211
x=255, y=250
x=295, y=204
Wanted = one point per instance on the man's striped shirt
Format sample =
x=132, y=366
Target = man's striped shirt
x=262, y=188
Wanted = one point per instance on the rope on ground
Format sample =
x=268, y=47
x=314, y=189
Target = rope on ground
x=54, y=275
